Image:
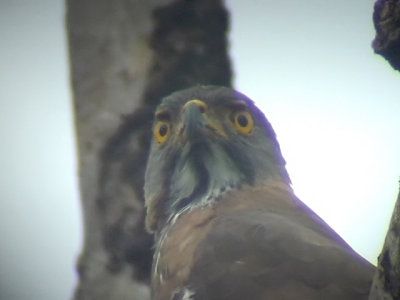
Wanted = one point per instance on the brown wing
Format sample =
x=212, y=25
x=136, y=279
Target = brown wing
x=264, y=244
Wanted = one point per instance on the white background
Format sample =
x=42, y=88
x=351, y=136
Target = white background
x=308, y=64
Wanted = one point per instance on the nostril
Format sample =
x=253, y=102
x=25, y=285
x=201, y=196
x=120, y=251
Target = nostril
x=202, y=108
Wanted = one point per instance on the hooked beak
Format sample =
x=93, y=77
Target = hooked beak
x=196, y=122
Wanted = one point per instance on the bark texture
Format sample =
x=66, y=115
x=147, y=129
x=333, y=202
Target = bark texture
x=387, y=24
x=386, y=284
x=125, y=56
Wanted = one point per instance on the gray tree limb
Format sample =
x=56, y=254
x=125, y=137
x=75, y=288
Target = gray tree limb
x=386, y=283
x=125, y=56
x=387, y=24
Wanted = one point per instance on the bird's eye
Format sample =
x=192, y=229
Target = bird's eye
x=162, y=131
x=243, y=121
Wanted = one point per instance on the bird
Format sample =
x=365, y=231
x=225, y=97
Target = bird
x=226, y=221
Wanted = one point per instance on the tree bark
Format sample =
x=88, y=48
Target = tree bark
x=386, y=283
x=387, y=24
x=125, y=56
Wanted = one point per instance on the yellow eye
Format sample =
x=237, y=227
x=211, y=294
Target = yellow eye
x=243, y=121
x=162, y=130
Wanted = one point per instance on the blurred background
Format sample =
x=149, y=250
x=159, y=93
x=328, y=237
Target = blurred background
x=310, y=67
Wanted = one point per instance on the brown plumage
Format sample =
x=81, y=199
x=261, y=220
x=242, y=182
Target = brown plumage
x=227, y=223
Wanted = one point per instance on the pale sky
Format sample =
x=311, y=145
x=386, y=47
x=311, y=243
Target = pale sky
x=334, y=105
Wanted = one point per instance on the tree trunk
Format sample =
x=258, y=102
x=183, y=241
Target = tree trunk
x=387, y=24
x=386, y=284
x=125, y=56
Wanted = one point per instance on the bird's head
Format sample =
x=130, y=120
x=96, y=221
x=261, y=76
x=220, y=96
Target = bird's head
x=207, y=140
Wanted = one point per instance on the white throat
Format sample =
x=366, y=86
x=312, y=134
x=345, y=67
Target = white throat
x=221, y=175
